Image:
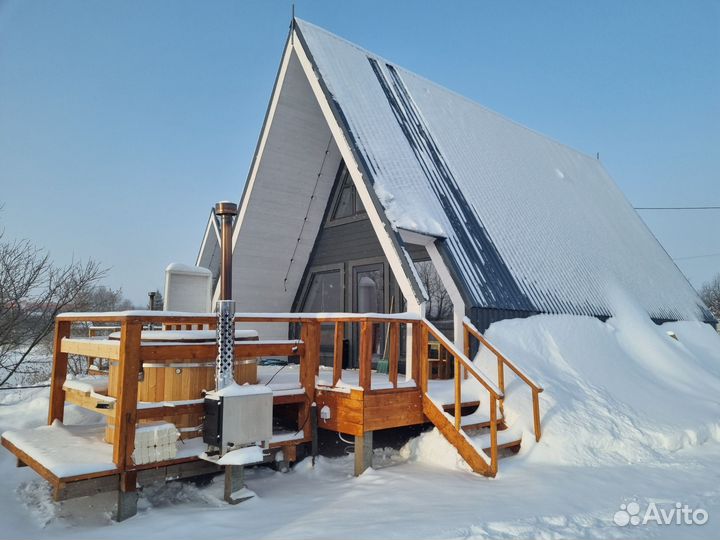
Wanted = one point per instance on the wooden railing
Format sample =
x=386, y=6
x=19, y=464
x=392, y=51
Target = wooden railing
x=502, y=361
x=366, y=331
x=495, y=393
x=130, y=352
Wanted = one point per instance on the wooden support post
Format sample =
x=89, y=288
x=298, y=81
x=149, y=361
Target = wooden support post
x=458, y=393
x=424, y=362
x=536, y=413
x=501, y=382
x=56, y=410
x=466, y=349
x=338, y=351
x=363, y=452
x=501, y=374
x=365, y=355
x=309, y=368
x=126, y=405
x=310, y=359
x=417, y=352
x=394, y=353
x=493, y=435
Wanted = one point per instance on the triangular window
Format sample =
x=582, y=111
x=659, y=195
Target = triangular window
x=347, y=204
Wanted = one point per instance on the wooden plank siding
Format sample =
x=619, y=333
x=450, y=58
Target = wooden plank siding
x=357, y=412
x=393, y=409
x=346, y=410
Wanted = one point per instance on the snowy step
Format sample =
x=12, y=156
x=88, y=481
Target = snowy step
x=505, y=439
x=450, y=406
x=479, y=419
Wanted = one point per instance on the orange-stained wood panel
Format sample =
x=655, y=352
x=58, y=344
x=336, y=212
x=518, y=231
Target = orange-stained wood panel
x=346, y=411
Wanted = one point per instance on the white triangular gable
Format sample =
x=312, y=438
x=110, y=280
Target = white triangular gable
x=296, y=161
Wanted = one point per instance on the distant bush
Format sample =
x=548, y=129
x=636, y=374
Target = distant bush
x=710, y=294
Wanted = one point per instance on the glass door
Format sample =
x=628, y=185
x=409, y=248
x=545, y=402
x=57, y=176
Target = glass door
x=325, y=295
x=368, y=296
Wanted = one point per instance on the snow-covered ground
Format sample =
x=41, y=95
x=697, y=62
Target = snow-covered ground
x=629, y=415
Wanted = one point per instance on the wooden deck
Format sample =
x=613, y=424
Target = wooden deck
x=371, y=402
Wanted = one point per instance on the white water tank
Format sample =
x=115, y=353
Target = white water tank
x=188, y=288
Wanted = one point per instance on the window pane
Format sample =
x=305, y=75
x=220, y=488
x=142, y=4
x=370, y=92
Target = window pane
x=357, y=203
x=370, y=299
x=344, y=206
x=325, y=295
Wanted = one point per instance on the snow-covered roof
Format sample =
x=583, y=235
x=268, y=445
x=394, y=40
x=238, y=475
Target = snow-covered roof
x=180, y=268
x=528, y=223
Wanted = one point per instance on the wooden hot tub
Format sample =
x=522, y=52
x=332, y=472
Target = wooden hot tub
x=180, y=380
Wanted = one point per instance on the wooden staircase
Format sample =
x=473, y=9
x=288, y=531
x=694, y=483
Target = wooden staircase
x=477, y=459
x=489, y=431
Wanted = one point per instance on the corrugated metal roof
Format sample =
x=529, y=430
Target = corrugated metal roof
x=529, y=224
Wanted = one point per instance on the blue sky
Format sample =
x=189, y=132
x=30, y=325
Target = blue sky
x=122, y=123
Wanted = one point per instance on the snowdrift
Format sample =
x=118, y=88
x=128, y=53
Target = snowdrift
x=619, y=392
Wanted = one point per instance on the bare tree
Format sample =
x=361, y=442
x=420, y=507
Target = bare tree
x=439, y=305
x=710, y=294
x=32, y=292
x=101, y=298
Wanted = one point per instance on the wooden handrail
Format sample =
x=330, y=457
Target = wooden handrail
x=338, y=339
x=464, y=360
x=470, y=329
x=175, y=317
x=495, y=392
x=509, y=363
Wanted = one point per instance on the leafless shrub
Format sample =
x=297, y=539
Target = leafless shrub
x=710, y=294
x=32, y=292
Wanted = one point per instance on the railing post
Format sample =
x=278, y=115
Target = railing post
x=536, y=414
x=394, y=353
x=425, y=362
x=420, y=354
x=501, y=382
x=309, y=368
x=458, y=393
x=493, y=435
x=365, y=355
x=338, y=351
x=310, y=360
x=56, y=410
x=126, y=406
x=466, y=348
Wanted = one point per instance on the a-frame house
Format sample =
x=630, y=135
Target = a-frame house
x=364, y=169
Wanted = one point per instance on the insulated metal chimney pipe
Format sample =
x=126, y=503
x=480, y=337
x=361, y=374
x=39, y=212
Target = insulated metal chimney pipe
x=226, y=211
x=225, y=333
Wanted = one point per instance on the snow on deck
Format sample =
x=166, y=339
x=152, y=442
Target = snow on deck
x=285, y=379
x=65, y=450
